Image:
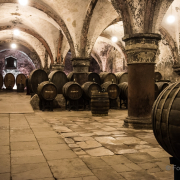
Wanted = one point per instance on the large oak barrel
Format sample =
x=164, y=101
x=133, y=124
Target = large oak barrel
x=123, y=87
x=72, y=90
x=36, y=77
x=157, y=76
x=9, y=81
x=106, y=77
x=1, y=81
x=59, y=78
x=112, y=89
x=88, y=88
x=166, y=119
x=47, y=90
x=159, y=87
x=121, y=77
x=99, y=103
x=21, y=79
x=92, y=77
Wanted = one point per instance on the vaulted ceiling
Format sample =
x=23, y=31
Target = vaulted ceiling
x=83, y=23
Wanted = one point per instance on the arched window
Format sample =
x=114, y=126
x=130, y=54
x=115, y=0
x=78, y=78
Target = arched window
x=10, y=63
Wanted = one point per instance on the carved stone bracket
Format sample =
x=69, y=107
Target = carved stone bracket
x=141, y=48
x=81, y=65
x=59, y=67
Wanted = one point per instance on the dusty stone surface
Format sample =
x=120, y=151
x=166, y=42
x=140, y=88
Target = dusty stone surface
x=59, y=102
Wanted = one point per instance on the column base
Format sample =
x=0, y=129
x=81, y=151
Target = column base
x=138, y=123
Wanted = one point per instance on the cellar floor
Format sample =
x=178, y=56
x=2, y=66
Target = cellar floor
x=73, y=145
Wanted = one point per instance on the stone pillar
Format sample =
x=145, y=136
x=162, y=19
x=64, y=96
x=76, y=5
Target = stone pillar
x=141, y=50
x=81, y=69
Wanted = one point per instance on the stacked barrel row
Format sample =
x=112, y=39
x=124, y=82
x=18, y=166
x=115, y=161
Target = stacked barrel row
x=115, y=85
x=9, y=81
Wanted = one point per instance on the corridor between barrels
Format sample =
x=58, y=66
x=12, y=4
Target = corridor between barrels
x=70, y=145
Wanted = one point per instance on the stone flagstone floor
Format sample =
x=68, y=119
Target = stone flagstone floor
x=76, y=146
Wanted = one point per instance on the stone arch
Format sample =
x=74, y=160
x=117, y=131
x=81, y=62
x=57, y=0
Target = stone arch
x=51, y=13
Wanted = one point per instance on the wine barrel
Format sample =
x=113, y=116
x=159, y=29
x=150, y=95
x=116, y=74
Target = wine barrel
x=36, y=77
x=21, y=79
x=157, y=76
x=47, y=91
x=105, y=77
x=112, y=89
x=72, y=91
x=121, y=77
x=59, y=78
x=99, y=103
x=88, y=88
x=165, y=119
x=9, y=81
x=159, y=87
x=70, y=76
x=92, y=77
x=1, y=81
x=123, y=87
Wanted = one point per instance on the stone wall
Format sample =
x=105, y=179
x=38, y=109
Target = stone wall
x=24, y=63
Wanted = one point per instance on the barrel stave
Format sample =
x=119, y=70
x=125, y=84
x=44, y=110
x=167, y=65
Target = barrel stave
x=36, y=77
x=59, y=78
x=1, y=81
x=105, y=77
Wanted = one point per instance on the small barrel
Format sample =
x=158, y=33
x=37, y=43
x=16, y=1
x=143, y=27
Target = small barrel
x=21, y=79
x=36, y=77
x=121, y=77
x=105, y=77
x=112, y=89
x=123, y=88
x=1, y=81
x=9, y=81
x=72, y=91
x=47, y=91
x=166, y=121
x=99, y=103
x=157, y=76
x=59, y=78
x=88, y=88
x=159, y=87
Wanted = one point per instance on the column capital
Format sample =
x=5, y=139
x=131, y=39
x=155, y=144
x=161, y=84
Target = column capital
x=141, y=48
x=59, y=67
x=176, y=69
x=81, y=65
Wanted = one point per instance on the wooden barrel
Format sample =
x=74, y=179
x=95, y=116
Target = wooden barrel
x=21, y=79
x=94, y=77
x=123, y=87
x=72, y=90
x=159, y=87
x=59, y=78
x=165, y=119
x=99, y=104
x=1, y=81
x=9, y=81
x=122, y=77
x=91, y=77
x=36, y=77
x=106, y=77
x=112, y=89
x=157, y=76
x=88, y=88
x=47, y=90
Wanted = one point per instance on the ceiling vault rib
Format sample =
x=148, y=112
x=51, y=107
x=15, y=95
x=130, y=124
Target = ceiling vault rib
x=85, y=29
x=51, y=13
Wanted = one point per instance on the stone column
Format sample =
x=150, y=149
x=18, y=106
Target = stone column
x=59, y=67
x=81, y=69
x=141, y=50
